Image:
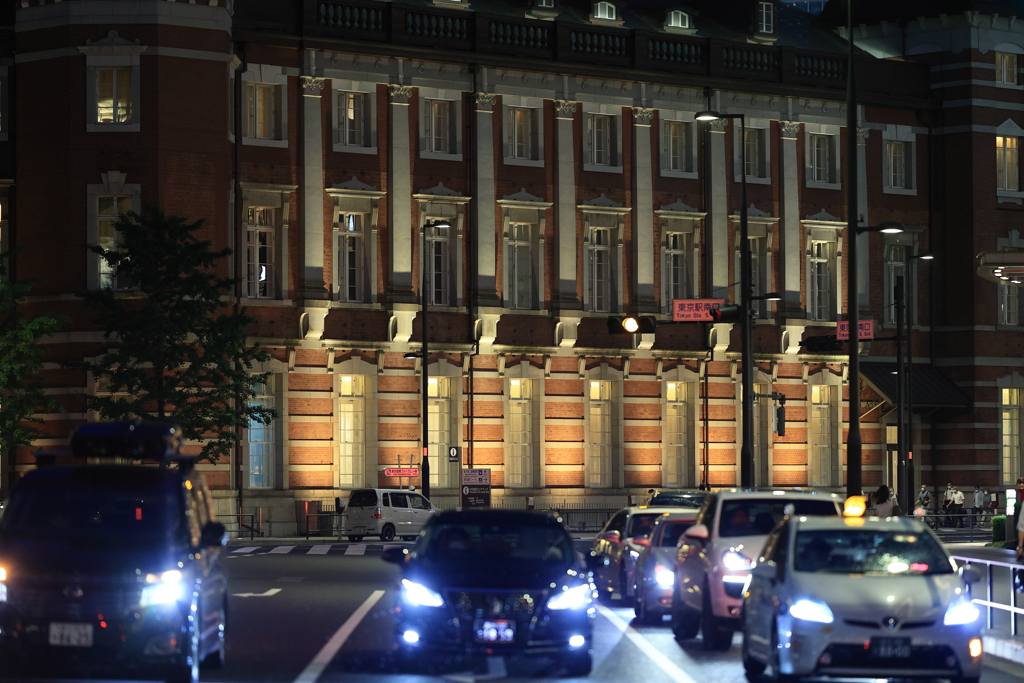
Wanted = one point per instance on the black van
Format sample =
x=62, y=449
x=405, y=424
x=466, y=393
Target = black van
x=113, y=569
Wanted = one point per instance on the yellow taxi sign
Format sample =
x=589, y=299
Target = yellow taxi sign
x=855, y=506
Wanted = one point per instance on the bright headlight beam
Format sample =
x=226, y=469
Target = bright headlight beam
x=735, y=562
x=577, y=597
x=812, y=610
x=418, y=595
x=664, y=577
x=960, y=612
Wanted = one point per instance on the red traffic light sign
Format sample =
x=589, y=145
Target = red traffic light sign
x=401, y=471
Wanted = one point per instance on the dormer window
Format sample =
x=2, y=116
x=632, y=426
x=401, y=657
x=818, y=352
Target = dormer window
x=765, y=17
x=678, y=19
x=546, y=4
x=604, y=10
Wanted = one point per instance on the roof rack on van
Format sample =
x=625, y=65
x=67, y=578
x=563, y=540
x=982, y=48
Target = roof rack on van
x=129, y=439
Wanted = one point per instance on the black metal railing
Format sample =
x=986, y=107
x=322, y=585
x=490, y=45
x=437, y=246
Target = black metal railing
x=238, y=525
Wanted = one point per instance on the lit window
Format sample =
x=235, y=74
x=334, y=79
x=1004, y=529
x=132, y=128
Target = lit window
x=604, y=10
x=677, y=270
x=1006, y=68
x=678, y=148
x=114, y=95
x=765, y=17
x=820, y=281
x=260, y=439
x=677, y=19
x=676, y=435
x=439, y=430
x=1007, y=164
x=438, y=126
x=520, y=264
x=262, y=110
x=600, y=139
x=598, y=463
x=896, y=155
x=599, y=261
x=821, y=436
x=108, y=209
x=351, y=271
x=352, y=119
x=260, y=274
x=438, y=272
x=519, y=468
x=351, y=431
x=1009, y=418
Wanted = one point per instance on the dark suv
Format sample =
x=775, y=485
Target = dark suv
x=113, y=569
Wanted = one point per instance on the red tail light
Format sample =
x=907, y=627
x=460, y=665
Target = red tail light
x=346, y=518
x=376, y=515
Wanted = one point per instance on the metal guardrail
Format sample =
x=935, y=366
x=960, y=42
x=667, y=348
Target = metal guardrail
x=1014, y=573
x=585, y=519
x=236, y=524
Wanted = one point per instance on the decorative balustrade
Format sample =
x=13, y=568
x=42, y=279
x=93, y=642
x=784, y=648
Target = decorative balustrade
x=352, y=17
x=437, y=26
x=515, y=35
x=597, y=44
x=813, y=66
x=747, y=59
x=675, y=52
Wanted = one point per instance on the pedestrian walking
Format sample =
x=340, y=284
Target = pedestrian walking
x=958, y=507
x=947, y=505
x=923, y=503
x=883, y=503
x=978, y=509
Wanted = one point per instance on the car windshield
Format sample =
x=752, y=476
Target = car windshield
x=856, y=551
x=685, y=500
x=497, y=543
x=123, y=506
x=758, y=516
x=674, y=529
x=640, y=524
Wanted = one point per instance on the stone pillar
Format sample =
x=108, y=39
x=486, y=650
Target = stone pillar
x=718, y=212
x=483, y=205
x=312, y=272
x=863, y=261
x=790, y=249
x=400, y=195
x=565, y=207
x=643, y=211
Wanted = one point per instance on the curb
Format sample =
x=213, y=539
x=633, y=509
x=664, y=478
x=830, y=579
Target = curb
x=1004, y=647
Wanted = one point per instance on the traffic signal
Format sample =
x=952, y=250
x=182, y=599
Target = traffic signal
x=645, y=324
x=729, y=313
x=780, y=420
x=825, y=343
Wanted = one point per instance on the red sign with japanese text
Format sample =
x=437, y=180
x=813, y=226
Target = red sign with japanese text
x=401, y=471
x=865, y=330
x=694, y=310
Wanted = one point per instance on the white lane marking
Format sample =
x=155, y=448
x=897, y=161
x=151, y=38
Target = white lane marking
x=356, y=549
x=319, y=550
x=652, y=652
x=316, y=667
x=243, y=550
x=282, y=550
x=267, y=594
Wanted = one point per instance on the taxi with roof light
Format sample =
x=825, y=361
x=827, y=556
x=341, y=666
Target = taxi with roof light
x=855, y=597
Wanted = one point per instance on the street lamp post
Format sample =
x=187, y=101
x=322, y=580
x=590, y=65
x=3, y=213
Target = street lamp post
x=909, y=309
x=746, y=324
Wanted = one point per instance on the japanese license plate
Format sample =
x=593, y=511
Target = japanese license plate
x=495, y=631
x=890, y=648
x=70, y=635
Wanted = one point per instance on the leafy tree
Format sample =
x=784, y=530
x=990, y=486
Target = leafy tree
x=181, y=352
x=22, y=389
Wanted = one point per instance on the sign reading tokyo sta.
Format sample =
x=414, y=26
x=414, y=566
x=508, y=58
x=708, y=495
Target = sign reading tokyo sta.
x=694, y=310
x=865, y=330
x=401, y=471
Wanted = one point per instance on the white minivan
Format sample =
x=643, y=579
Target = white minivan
x=386, y=513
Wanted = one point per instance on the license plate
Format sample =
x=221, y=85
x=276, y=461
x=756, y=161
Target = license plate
x=70, y=635
x=890, y=648
x=495, y=631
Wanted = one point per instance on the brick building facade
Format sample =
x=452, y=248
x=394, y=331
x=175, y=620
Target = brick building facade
x=558, y=141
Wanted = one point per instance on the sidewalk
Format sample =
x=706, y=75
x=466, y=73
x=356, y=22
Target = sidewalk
x=997, y=642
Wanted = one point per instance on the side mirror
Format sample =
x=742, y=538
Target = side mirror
x=697, y=531
x=611, y=536
x=394, y=555
x=970, y=575
x=214, y=534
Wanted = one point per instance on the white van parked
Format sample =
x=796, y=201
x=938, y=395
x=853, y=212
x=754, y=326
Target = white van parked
x=386, y=513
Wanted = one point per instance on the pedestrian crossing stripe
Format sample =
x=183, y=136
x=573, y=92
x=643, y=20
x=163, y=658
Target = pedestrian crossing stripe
x=319, y=549
x=356, y=549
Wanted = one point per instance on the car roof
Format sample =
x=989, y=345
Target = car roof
x=784, y=494
x=813, y=523
x=677, y=512
x=103, y=475
x=490, y=516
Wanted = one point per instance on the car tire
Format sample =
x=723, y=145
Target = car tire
x=215, y=659
x=578, y=666
x=715, y=638
x=355, y=539
x=387, y=533
x=752, y=668
x=685, y=621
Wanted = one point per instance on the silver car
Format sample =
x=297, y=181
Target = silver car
x=855, y=597
x=654, y=574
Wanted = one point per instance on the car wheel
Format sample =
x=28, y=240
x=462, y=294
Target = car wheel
x=215, y=660
x=685, y=621
x=715, y=637
x=578, y=666
x=355, y=539
x=751, y=667
x=387, y=533
x=777, y=676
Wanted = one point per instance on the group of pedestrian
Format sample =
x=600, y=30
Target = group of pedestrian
x=955, y=503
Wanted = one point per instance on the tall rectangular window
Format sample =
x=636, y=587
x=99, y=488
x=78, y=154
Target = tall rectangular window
x=599, y=450
x=114, y=95
x=895, y=266
x=752, y=147
x=438, y=126
x=352, y=119
x=677, y=271
x=896, y=155
x=675, y=467
x=678, y=152
x=822, y=161
x=820, y=279
x=262, y=109
x=519, y=468
x=350, y=258
x=438, y=275
x=821, y=436
x=107, y=211
x=1007, y=164
x=520, y=264
x=1009, y=418
x=599, y=280
x=1009, y=305
x=600, y=139
x=521, y=133
x=439, y=430
x=1006, y=68
x=259, y=254
x=351, y=431
x=765, y=17
x=261, y=441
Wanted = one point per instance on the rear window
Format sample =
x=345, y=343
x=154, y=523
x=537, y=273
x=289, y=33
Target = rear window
x=673, y=530
x=363, y=498
x=685, y=500
x=885, y=553
x=498, y=543
x=758, y=516
x=640, y=524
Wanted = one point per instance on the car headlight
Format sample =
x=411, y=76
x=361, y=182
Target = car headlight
x=162, y=589
x=3, y=586
x=418, y=595
x=634, y=554
x=576, y=597
x=735, y=562
x=812, y=610
x=961, y=611
x=664, y=577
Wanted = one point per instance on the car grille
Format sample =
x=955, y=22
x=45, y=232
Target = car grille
x=906, y=626
x=517, y=605
x=53, y=603
x=921, y=657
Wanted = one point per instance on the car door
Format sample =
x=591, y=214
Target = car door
x=608, y=571
x=401, y=514
x=759, y=606
x=420, y=512
x=690, y=556
x=209, y=570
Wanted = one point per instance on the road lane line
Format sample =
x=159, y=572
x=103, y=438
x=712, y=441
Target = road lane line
x=319, y=550
x=356, y=549
x=316, y=667
x=282, y=550
x=648, y=648
x=244, y=550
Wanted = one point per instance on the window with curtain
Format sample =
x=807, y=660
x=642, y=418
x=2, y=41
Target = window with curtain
x=351, y=252
x=261, y=441
x=1006, y=68
x=821, y=436
x=521, y=133
x=262, y=111
x=598, y=464
x=676, y=436
x=678, y=149
x=351, y=431
x=1007, y=164
x=677, y=270
x=519, y=467
x=114, y=95
x=439, y=430
x=353, y=119
x=438, y=124
x=260, y=238
x=600, y=139
x=1009, y=419
x=108, y=208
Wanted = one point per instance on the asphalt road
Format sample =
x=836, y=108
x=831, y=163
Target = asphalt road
x=297, y=617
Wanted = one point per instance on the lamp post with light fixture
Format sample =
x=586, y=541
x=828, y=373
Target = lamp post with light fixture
x=424, y=367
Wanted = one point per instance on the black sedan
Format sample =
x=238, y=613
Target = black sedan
x=495, y=582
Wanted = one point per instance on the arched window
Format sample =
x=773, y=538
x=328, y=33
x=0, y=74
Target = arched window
x=678, y=19
x=604, y=10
